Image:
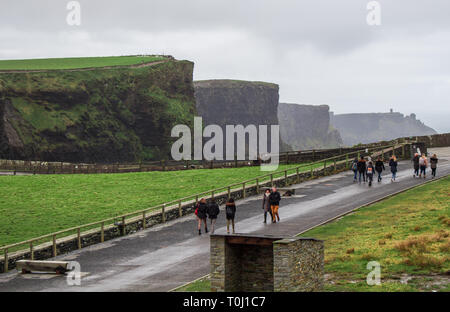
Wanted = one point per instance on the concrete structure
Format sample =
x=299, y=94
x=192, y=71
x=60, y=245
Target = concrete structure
x=245, y=263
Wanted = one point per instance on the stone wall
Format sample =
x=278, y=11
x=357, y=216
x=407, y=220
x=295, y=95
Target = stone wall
x=298, y=264
x=246, y=263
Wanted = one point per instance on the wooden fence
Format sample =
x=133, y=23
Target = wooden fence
x=122, y=220
x=43, y=167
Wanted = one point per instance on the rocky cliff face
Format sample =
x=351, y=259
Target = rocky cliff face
x=307, y=126
x=232, y=102
x=99, y=115
x=374, y=127
x=223, y=102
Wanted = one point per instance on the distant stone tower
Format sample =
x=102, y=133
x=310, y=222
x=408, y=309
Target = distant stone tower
x=391, y=110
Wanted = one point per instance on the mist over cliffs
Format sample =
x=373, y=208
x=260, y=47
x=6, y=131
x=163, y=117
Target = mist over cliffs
x=374, y=127
x=307, y=126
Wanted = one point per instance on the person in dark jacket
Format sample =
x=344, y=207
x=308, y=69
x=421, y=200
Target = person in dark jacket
x=355, y=169
x=370, y=173
x=433, y=164
x=379, y=167
x=274, y=200
x=202, y=209
x=362, y=169
x=415, y=161
x=213, y=212
x=266, y=205
x=230, y=211
x=393, y=164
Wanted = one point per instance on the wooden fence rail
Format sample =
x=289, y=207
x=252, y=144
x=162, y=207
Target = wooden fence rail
x=268, y=178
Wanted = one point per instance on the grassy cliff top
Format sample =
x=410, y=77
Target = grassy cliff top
x=78, y=62
x=229, y=83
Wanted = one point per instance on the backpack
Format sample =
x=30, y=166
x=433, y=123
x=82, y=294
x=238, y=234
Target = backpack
x=196, y=210
x=229, y=211
x=354, y=166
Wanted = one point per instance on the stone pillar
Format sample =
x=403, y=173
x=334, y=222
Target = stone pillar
x=243, y=263
x=298, y=264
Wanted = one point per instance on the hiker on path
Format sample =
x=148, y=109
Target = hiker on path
x=274, y=200
x=393, y=164
x=370, y=172
x=423, y=163
x=379, y=167
x=415, y=161
x=355, y=169
x=213, y=212
x=201, y=211
x=230, y=211
x=362, y=169
x=433, y=163
x=266, y=205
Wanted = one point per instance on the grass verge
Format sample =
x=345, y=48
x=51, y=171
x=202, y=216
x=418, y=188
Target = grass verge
x=408, y=234
x=31, y=206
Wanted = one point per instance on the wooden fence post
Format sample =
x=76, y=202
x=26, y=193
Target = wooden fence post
x=285, y=178
x=180, y=212
x=79, y=238
x=163, y=210
x=271, y=179
x=31, y=251
x=123, y=226
x=229, y=192
x=5, y=270
x=54, y=246
x=243, y=190
x=257, y=186
x=102, y=232
x=298, y=175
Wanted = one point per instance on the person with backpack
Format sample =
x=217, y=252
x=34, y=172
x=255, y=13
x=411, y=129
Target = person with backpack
x=274, y=200
x=230, y=211
x=379, y=167
x=393, y=164
x=423, y=163
x=370, y=172
x=201, y=212
x=362, y=169
x=213, y=212
x=355, y=169
x=415, y=161
x=433, y=164
x=266, y=205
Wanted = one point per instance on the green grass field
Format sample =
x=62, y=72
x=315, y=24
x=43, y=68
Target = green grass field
x=76, y=62
x=407, y=234
x=31, y=206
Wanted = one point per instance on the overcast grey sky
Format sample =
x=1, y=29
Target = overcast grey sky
x=318, y=51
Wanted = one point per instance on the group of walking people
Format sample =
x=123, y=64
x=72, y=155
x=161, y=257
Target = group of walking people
x=366, y=169
x=420, y=163
x=211, y=210
x=204, y=210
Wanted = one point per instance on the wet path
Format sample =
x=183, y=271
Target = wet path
x=169, y=255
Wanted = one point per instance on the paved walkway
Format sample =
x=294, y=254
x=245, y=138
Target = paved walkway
x=166, y=256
